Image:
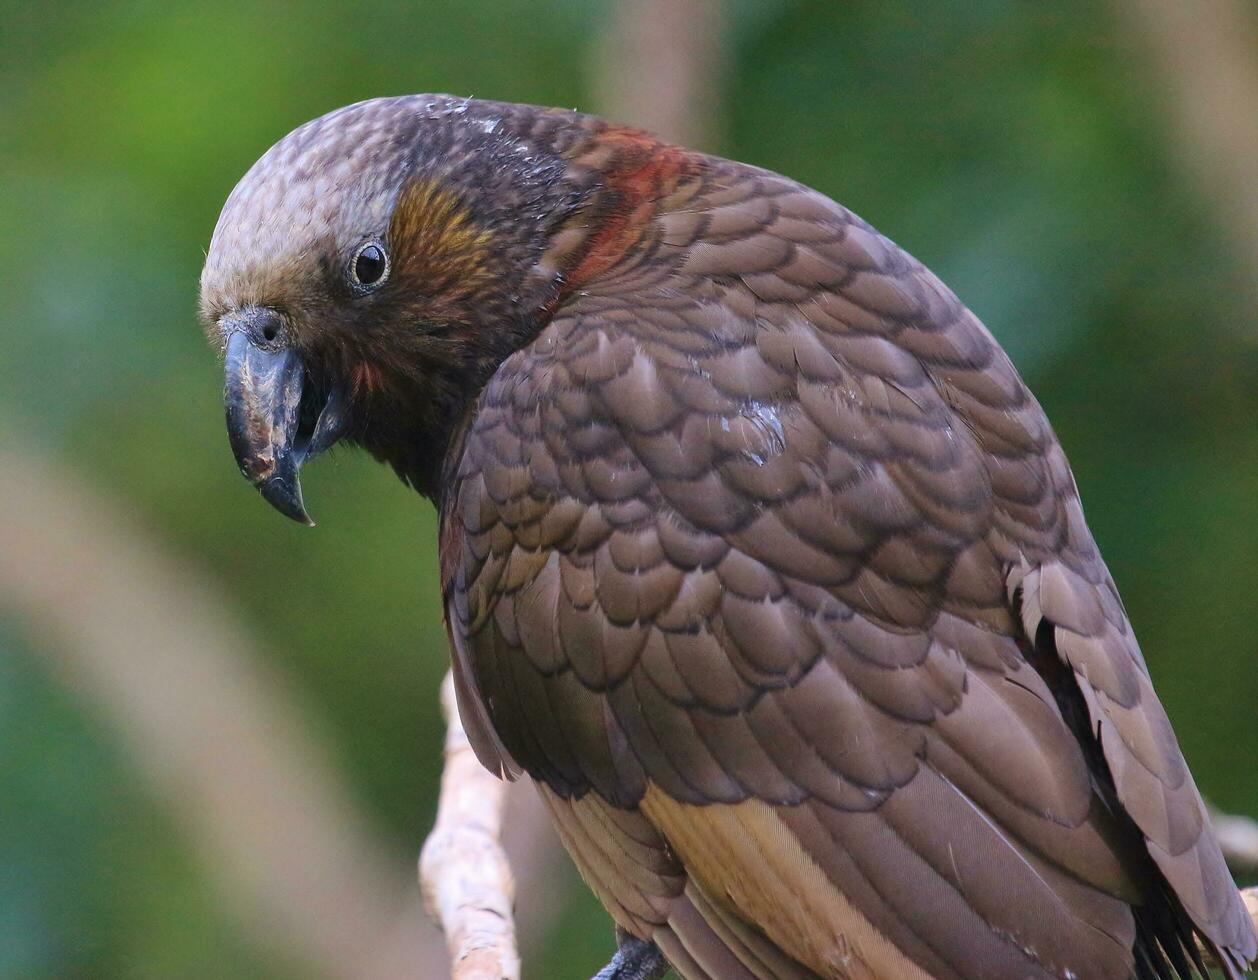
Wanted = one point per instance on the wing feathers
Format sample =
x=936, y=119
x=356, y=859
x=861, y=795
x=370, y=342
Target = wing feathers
x=1143, y=757
x=768, y=532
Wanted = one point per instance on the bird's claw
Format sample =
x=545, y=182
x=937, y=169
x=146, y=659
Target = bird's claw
x=635, y=959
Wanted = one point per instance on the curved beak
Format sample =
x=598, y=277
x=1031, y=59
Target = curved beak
x=276, y=419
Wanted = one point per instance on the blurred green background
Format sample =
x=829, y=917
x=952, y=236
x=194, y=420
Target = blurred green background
x=1030, y=153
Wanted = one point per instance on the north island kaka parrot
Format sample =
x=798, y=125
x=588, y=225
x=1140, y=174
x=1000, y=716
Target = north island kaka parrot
x=758, y=557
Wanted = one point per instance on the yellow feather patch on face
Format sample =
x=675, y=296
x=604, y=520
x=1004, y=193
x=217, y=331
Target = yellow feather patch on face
x=438, y=247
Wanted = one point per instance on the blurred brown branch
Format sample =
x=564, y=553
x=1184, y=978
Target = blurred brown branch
x=661, y=65
x=154, y=649
x=1205, y=59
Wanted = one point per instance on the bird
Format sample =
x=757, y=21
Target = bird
x=758, y=557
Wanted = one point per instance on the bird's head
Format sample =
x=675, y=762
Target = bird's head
x=373, y=268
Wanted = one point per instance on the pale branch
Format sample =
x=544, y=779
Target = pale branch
x=1250, y=897
x=155, y=651
x=468, y=887
x=1238, y=836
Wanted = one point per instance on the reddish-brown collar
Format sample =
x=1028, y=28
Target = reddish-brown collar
x=638, y=171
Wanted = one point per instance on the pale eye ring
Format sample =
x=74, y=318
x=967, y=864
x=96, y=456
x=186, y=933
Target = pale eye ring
x=369, y=267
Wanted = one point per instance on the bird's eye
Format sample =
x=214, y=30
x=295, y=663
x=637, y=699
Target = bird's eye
x=370, y=267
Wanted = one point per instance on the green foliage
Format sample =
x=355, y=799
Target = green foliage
x=1014, y=147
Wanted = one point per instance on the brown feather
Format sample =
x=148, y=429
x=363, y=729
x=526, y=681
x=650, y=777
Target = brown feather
x=757, y=553
x=782, y=404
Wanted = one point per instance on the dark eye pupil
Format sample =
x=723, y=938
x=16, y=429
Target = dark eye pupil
x=369, y=265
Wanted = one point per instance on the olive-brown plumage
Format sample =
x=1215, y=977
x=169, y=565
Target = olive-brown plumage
x=758, y=555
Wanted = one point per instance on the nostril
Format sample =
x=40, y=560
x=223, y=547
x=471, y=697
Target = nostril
x=265, y=325
x=262, y=325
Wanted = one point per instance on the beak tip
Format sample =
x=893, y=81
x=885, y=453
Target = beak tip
x=266, y=398
x=285, y=496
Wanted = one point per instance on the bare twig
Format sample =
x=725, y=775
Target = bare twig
x=156, y=651
x=466, y=878
x=1249, y=896
x=1238, y=836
